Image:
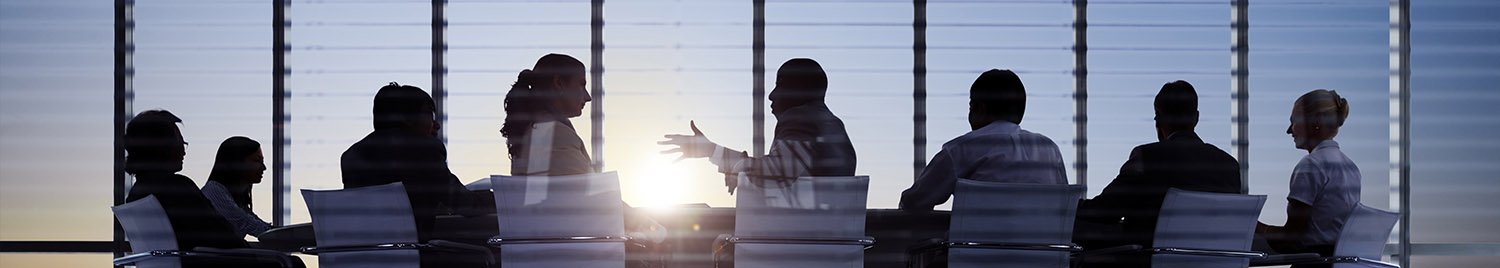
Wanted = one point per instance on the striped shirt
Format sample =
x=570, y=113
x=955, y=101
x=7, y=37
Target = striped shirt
x=244, y=221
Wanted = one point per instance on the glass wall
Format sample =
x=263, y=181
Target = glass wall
x=866, y=51
x=342, y=52
x=1297, y=47
x=207, y=63
x=668, y=63
x=489, y=43
x=1453, y=95
x=56, y=114
x=1033, y=39
x=1134, y=48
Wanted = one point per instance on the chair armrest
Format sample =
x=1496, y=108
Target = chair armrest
x=137, y=257
x=501, y=241
x=1362, y=261
x=371, y=247
x=1208, y=252
x=1114, y=250
x=1014, y=246
x=1287, y=259
x=489, y=257
x=282, y=258
x=863, y=241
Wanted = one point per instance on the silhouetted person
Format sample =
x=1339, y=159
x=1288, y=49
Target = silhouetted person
x=1179, y=160
x=154, y=150
x=238, y=165
x=996, y=150
x=539, y=138
x=809, y=139
x=1324, y=184
x=405, y=148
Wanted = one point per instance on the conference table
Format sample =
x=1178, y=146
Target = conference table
x=691, y=232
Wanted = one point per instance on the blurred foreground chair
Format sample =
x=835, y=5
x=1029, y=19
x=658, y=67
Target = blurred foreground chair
x=372, y=226
x=155, y=244
x=1196, y=229
x=563, y=221
x=808, y=222
x=1005, y=225
x=1360, y=243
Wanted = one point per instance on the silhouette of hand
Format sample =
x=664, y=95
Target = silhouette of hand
x=694, y=146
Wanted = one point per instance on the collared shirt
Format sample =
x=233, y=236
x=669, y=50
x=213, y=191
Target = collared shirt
x=809, y=141
x=244, y=221
x=998, y=152
x=1328, y=181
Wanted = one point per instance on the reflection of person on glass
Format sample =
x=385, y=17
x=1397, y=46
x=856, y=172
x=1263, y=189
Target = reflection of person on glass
x=1325, y=183
x=809, y=139
x=996, y=150
x=539, y=138
x=1125, y=212
x=405, y=148
x=238, y=165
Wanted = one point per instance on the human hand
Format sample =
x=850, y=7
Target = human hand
x=690, y=146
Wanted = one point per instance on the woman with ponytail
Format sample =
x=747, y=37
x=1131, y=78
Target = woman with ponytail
x=539, y=138
x=238, y=165
x=1325, y=184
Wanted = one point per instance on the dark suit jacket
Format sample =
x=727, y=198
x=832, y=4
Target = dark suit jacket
x=193, y=218
x=419, y=162
x=832, y=152
x=1183, y=161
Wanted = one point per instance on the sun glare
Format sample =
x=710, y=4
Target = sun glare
x=660, y=184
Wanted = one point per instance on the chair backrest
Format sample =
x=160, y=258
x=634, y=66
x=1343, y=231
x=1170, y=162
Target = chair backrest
x=1014, y=212
x=808, y=207
x=559, y=206
x=1201, y=220
x=148, y=228
x=1365, y=232
x=361, y=216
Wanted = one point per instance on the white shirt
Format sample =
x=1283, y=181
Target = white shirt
x=1328, y=181
x=245, y=222
x=998, y=152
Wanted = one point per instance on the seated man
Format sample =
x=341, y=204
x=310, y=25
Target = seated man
x=996, y=150
x=810, y=140
x=1126, y=211
x=405, y=148
x=154, y=152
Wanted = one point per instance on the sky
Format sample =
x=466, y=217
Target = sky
x=670, y=62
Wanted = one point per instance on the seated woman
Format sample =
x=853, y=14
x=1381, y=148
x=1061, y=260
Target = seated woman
x=540, y=139
x=1324, y=184
x=238, y=165
x=154, y=150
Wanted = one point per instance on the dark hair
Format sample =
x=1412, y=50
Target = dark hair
x=1177, y=105
x=230, y=167
x=149, y=140
x=1324, y=108
x=397, y=105
x=530, y=97
x=1001, y=93
x=805, y=78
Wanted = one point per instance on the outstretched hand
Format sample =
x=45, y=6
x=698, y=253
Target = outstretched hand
x=690, y=146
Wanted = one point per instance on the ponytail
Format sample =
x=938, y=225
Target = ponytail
x=521, y=107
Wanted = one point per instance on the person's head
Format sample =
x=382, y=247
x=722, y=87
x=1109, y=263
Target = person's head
x=996, y=95
x=406, y=108
x=554, y=87
x=1176, y=109
x=153, y=143
x=238, y=164
x=799, y=81
x=1316, y=117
